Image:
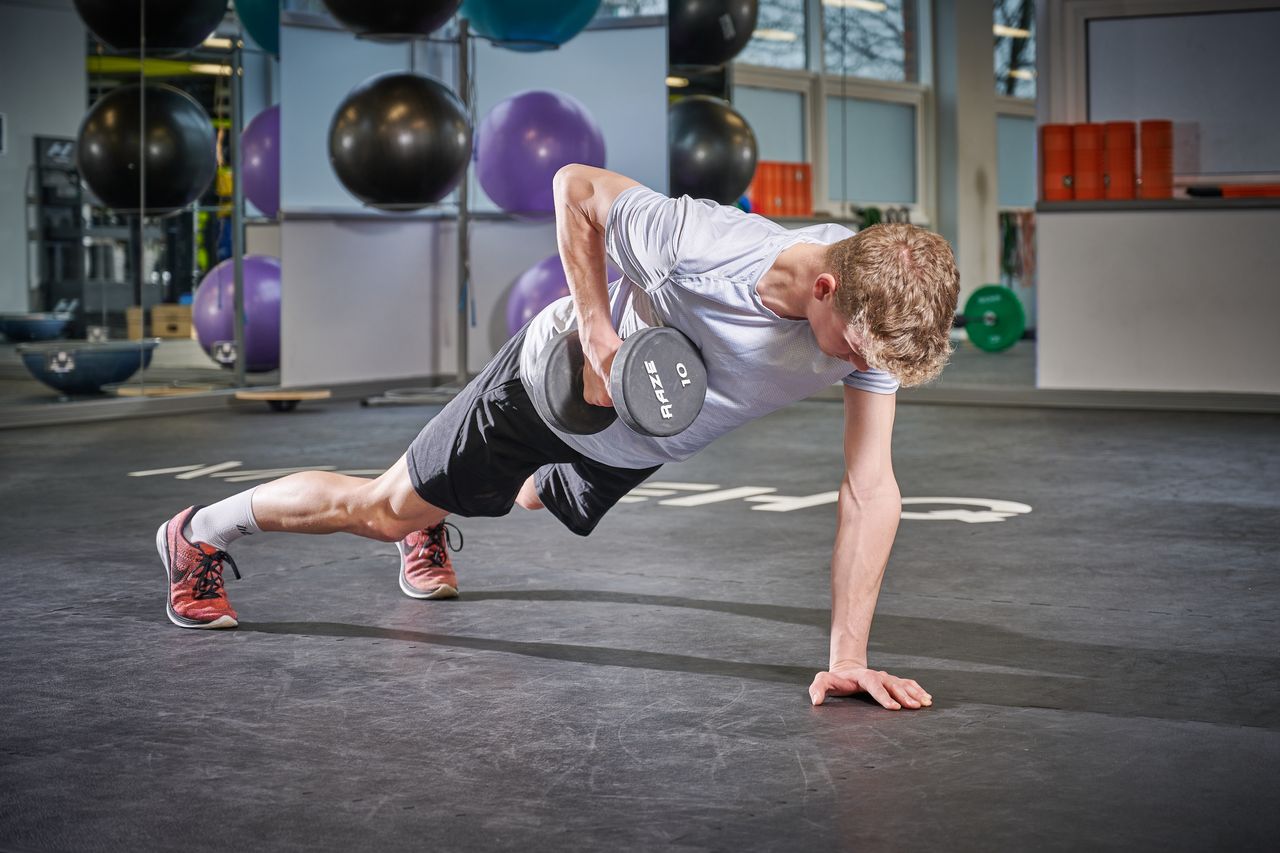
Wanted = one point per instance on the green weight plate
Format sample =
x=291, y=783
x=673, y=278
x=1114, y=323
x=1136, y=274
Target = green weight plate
x=994, y=318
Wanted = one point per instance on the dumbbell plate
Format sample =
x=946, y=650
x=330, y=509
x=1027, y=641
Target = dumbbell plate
x=658, y=382
x=556, y=388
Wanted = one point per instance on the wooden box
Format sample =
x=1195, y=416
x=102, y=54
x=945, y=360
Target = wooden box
x=133, y=320
x=171, y=321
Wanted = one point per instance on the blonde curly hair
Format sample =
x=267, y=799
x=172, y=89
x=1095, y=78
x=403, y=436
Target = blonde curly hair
x=898, y=286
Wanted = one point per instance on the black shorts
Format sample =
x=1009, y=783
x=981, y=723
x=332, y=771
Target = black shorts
x=473, y=457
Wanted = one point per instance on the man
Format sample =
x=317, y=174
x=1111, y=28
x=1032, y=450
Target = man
x=777, y=315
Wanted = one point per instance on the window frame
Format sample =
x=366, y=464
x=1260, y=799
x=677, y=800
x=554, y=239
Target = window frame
x=1007, y=105
x=816, y=86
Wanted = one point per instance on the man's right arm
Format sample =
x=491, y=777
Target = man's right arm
x=584, y=196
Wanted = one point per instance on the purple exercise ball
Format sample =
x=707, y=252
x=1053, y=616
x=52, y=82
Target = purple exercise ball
x=524, y=141
x=537, y=287
x=260, y=161
x=213, y=311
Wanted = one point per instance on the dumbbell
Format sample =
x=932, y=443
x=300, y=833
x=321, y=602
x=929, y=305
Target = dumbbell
x=658, y=383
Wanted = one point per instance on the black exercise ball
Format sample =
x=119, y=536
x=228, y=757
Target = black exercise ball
x=180, y=152
x=389, y=18
x=170, y=26
x=709, y=32
x=712, y=149
x=400, y=141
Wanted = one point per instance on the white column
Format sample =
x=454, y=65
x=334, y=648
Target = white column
x=965, y=119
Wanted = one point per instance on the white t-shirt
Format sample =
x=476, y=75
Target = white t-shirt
x=693, y=265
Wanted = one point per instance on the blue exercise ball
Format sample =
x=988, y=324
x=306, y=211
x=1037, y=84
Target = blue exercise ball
x=521, y=25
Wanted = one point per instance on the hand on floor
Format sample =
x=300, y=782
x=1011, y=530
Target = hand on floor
x=890, y=691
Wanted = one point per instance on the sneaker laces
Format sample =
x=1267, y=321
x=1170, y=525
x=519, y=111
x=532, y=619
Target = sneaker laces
x=437, y=539
x=208, y=573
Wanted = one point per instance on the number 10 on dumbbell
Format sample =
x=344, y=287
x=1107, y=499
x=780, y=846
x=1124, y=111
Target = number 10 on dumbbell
x=658, y=383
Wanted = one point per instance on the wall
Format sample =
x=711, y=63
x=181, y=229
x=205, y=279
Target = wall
x=1159, y=300
x=42, y=44
x=368, y=296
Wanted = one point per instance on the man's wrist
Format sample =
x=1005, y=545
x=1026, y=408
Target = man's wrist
x=846, y=663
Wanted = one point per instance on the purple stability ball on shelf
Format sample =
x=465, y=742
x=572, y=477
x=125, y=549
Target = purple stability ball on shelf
x=537, y=287
x=261, y=161
x=213, y=312
x=524, y=141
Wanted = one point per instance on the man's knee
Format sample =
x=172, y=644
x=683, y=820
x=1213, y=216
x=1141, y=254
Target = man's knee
x=528, y=496
x=388, y=509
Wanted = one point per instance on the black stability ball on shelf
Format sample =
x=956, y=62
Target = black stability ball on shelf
x=400, y=141
x=709, y=32
x=712, y=149
x=171, y=26
x=180, y=152
x=391, y=18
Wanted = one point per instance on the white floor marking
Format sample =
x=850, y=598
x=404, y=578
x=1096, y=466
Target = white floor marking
x=157, y=471
x=681, y=487
x=206, y=471
x=993, y=510
x=717, y=497
x=782, y=503
x=266, y=473
x=988, y=509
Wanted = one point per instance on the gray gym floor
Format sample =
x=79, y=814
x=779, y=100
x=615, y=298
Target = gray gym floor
x=1105, y=667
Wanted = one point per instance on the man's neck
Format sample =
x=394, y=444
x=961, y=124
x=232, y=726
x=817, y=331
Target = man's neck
x=787, y=286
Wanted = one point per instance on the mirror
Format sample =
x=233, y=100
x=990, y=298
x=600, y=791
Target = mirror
x=107, y=244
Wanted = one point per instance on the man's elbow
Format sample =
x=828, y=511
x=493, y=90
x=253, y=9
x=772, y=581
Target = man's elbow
x=566, y=178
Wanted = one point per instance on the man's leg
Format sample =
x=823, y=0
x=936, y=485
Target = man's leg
x=387, y=509
x=579, y=493
x=193, y=543
x=528, y=497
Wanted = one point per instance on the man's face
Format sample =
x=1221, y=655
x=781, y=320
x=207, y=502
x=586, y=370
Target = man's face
x=835, y=337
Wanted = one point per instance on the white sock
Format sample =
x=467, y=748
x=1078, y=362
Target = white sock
x=226, y=521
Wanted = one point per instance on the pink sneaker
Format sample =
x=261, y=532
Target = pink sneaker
x=197, y=598
x=425, y=568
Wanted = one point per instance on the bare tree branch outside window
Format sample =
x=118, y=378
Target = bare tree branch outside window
x=779, y=41
x=863, y=40
x=631, y=8
x=1015, y=55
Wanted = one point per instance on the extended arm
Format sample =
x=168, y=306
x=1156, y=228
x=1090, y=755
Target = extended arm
x=869, y=509
x=583, y=196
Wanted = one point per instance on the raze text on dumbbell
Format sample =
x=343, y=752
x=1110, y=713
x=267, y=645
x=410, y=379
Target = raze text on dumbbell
x=660, y=393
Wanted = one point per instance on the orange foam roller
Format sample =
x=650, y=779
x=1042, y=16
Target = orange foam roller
x=1087, y=160
x=1056, y=162
x=1156, y=133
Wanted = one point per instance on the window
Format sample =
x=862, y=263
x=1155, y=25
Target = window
x=1214, y=75
x=1016, y=160
x=778, y=120
x=869, y=38
x=1015, y=48
x=779, y=40
x=871, y=151
x=631, y=8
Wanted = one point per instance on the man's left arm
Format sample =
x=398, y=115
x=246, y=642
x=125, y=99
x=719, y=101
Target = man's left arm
x=869, y=509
